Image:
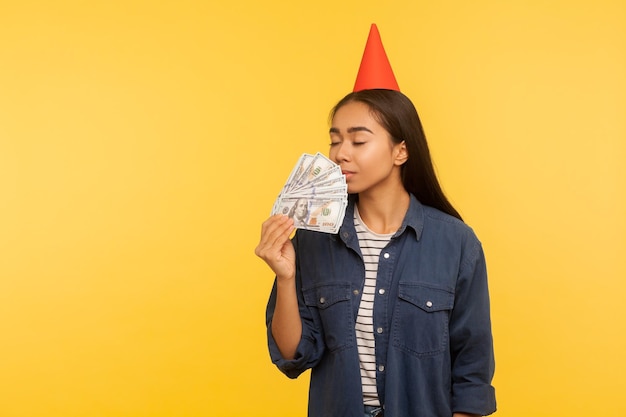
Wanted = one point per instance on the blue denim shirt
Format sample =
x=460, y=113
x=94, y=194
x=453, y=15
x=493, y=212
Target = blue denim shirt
x=432, y=328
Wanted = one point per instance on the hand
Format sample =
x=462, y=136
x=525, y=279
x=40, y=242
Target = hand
x=275, y=247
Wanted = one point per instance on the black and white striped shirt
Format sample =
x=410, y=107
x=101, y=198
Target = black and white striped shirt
x=371, y=245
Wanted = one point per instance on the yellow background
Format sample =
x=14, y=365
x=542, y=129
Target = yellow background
x=142, y=144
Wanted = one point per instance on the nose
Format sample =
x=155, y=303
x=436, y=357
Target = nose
x=341, y=152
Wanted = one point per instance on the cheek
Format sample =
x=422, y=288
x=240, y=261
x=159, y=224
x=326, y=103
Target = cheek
x=371, y=156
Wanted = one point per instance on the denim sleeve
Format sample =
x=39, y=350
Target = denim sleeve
x=311, y=346
x=471, y=341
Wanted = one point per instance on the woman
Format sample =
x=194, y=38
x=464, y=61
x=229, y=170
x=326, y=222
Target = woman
x=392, y=313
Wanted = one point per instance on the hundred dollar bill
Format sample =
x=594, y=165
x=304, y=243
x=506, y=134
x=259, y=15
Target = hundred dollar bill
x=319, y=214
x=318, y=166
x=338, y=190
x=331, y=174
x=301, y=166
x=333, y=178
x=315, y=194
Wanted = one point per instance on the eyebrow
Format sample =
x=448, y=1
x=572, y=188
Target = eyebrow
x=351, y=129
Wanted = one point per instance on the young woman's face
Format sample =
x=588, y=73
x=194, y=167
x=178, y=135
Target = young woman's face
x=363, y=148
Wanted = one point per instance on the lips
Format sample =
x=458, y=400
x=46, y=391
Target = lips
x=347, y=174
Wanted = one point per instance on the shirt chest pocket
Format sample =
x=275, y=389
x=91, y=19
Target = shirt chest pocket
x=332, y=312
x=421, y=318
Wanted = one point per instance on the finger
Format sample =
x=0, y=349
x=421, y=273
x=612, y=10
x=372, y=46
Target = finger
x=279, y=234
x=274, y=233
x=273, y=227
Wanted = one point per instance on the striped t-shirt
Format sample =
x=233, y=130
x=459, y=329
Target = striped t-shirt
x=371, y=245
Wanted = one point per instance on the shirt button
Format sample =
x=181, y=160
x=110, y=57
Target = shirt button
x=386, y=255
x=429, y=303
x=381, y=291
x=355, y=292
x=381, y=368
x=322, y=300
x=379, y=330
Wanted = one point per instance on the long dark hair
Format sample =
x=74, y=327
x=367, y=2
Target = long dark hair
x=397, y=114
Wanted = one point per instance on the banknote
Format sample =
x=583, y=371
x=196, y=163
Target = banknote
x=327, y=182
x=320, y=214
x=302, y=164
x=315, y=169
x=315, y=194
x=321, y=192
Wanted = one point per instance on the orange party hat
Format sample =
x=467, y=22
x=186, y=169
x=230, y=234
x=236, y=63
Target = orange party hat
x=375, y=70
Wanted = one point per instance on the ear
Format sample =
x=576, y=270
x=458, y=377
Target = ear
x=401, y=153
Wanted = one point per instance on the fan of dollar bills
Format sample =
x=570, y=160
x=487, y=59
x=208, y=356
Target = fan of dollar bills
x=315, y=194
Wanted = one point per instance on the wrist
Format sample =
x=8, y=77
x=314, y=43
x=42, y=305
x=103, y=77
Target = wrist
x=285, y=281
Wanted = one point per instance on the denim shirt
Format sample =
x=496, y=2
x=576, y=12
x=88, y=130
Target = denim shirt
x=432, y=327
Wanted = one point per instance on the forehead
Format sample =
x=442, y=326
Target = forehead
x=354, y=113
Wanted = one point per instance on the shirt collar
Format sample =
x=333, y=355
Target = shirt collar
x=413, y=219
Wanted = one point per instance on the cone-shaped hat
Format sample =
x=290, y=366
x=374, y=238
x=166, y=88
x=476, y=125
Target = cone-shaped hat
x=375, y=70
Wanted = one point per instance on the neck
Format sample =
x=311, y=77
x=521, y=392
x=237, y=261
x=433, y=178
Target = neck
x=384, y=212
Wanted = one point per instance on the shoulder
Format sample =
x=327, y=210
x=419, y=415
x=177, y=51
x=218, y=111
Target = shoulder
x=438, y=223
x=434, y=215
x=446, y=234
